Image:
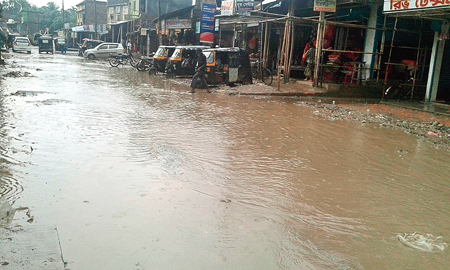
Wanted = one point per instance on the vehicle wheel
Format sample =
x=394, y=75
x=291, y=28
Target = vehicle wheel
x=91, y=57
x=29, y=52
x=152, y=71
x=255, y=70
x=39, y=51
x=246, y=80
x=113, y=62
x=134, y=62
x=267, y=76
x=13, y=50
x=170, y=74
x=141, y=66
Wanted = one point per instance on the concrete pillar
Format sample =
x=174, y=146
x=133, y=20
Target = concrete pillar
x=370, y=45
x=436, y=63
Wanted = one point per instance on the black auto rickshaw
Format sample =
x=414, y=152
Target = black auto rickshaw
x=88, y=44
x=227, y=66
x=183, y=60
x=10, y=40
x=160, y=59
x=60, y=44
x=45, y=43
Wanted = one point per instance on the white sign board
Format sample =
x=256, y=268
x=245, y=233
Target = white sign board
x=227, y=8
x=413, y=5
x=178, y=24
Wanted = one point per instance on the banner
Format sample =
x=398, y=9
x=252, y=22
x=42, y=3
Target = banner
x=207, y=23
x=178, y=24
x=244, y=6
x=325, y=5
x=405, y=5
x=227, y=8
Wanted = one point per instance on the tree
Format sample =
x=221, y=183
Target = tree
x=52, y=14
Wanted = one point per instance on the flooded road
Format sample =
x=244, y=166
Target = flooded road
x=136, y=173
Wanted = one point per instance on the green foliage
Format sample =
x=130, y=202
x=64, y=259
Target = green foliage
x=52, y=14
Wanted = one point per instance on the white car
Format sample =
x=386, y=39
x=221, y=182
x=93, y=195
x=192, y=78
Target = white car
x=103, y=50
x=21, y=44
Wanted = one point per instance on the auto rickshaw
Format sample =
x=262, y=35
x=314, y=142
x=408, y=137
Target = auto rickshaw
x=60, y=44
x=45, y=43
x=160, y=59
x=88, y=44
x=227, y=66
x=182, y=61
x=11, y=37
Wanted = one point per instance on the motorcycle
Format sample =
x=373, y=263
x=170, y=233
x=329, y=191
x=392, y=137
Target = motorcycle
x=145, y=63
x=122, y=59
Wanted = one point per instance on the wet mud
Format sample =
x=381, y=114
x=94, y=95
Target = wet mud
x=110, y=168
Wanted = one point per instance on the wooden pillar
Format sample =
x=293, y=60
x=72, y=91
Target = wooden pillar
x=291, y=52
x=281, y=63
x=319, y=45
x=266, y=44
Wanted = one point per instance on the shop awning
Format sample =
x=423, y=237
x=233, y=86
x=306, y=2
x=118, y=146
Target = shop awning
x=174, y=14
x=120, y=22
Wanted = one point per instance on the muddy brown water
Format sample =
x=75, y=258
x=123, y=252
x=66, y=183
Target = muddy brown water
x=137, y=174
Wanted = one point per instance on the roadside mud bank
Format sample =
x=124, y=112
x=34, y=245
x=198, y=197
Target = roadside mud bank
x=433, y=128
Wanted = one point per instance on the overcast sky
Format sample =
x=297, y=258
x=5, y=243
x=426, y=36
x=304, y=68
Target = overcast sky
x=67, y=3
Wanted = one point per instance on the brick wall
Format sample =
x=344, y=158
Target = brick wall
x=90, y=12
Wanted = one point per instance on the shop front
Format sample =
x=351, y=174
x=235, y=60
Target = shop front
x=432, y=51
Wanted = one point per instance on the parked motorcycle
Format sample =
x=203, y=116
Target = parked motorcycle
x=122, y=59
x=144, y=63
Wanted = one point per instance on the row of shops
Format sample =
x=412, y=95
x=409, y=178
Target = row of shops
x=361, y=43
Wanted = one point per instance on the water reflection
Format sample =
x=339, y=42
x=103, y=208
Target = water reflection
x=212, y=180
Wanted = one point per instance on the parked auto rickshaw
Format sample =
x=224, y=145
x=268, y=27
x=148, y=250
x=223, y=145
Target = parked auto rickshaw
x=60, y=44
x=45, y=43
x=11, y=37
x=88, y=44
x=183, y=60
x=227, y=66
x=160, y=59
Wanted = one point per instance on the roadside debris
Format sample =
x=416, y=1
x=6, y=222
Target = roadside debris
x=17, y=74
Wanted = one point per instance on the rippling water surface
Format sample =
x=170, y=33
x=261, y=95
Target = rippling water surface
x=138, y=174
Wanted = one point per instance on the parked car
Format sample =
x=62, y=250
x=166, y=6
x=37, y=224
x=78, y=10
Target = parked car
x=88, y=44
x=104, y=50
x=21, y=44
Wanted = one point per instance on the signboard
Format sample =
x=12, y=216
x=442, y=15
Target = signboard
x=67, y=26
x=78, y=29
x=178, y=24
x=197, y=27
x=325, y=5
x=227, y=8
x=216, y=25
x=207, y=23
x=143, y=31
x=405, y=5
x=244, y=6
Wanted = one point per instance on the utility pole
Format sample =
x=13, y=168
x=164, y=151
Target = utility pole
x=63, y=13
x=159, y=22
x=95, y=18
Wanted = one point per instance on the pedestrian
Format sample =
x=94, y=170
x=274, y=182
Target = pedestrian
x=310, y=56
x=199, y=71
x=129, y=47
